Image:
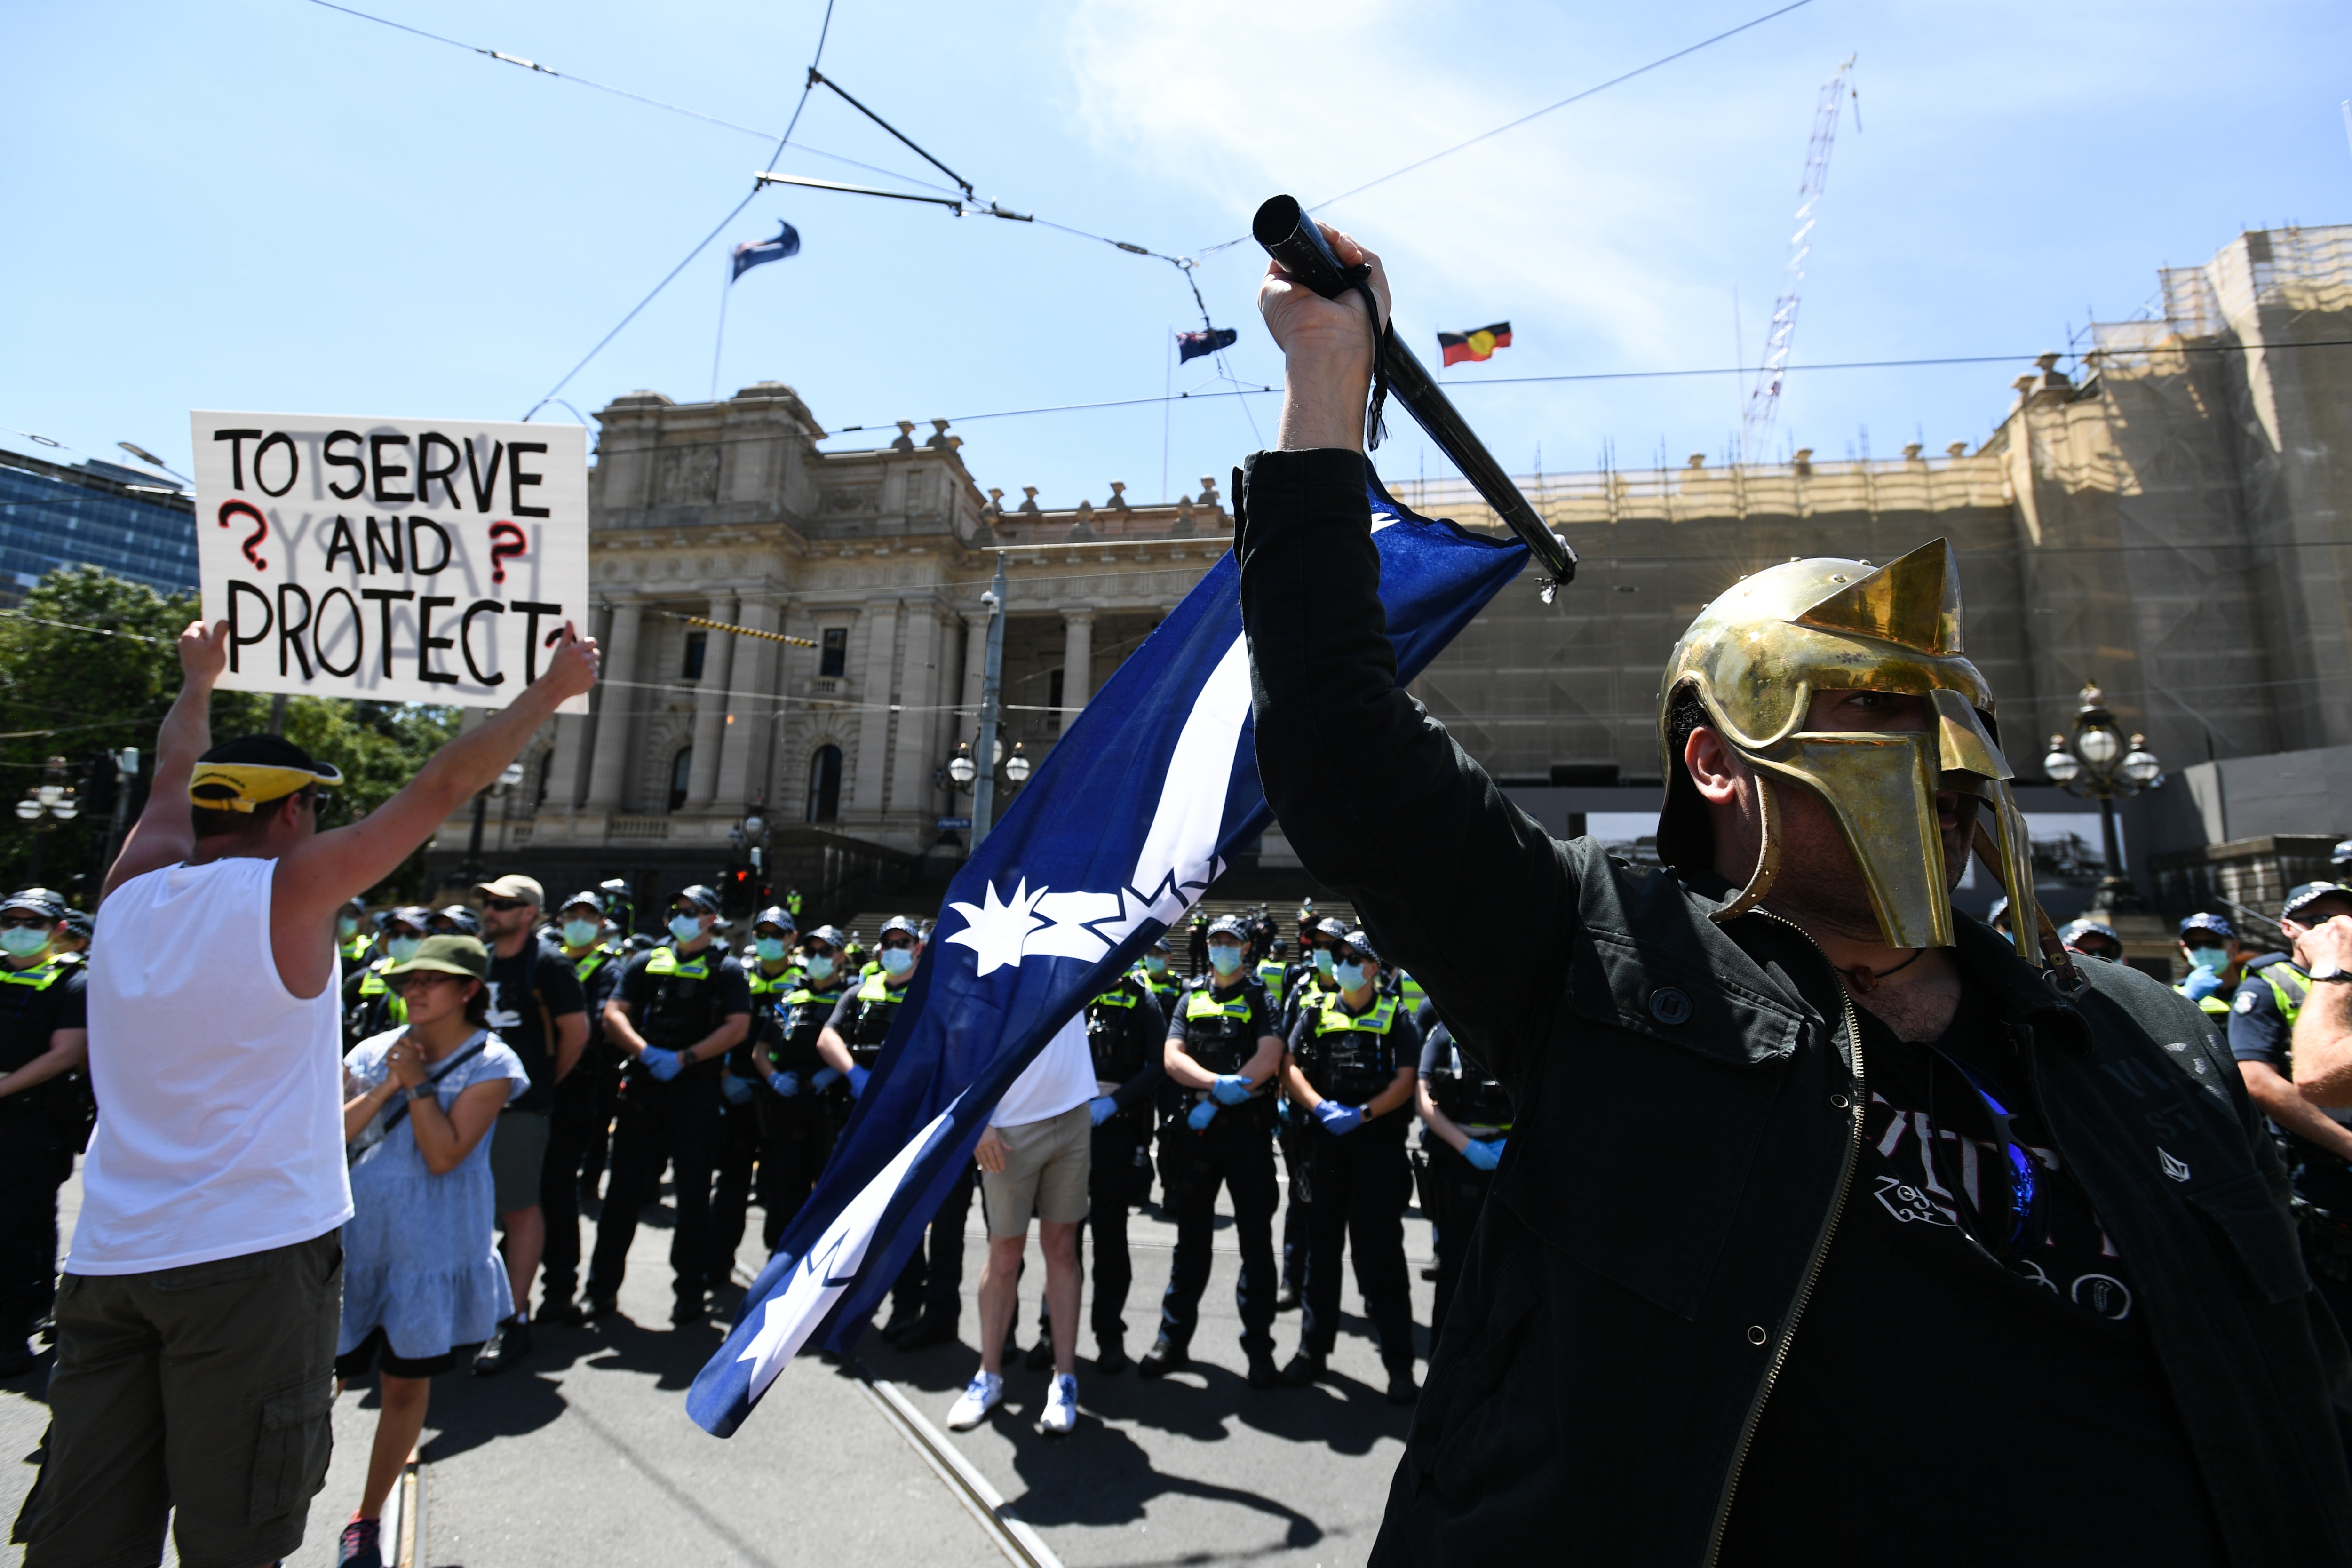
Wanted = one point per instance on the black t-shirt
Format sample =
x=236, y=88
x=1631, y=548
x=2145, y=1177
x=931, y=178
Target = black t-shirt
x=35, y=1003
x=1930, y=1392
x=522, y=1012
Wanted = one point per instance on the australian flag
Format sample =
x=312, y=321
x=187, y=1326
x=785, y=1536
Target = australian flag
x=1131, y=817
x=1194, y=345
x=754, y=252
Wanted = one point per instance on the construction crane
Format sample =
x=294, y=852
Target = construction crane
x=1764, y=400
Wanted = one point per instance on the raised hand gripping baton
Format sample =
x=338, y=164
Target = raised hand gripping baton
x=1294, y=240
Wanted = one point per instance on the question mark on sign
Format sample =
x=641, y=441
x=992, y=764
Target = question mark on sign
x=260, y=527
x=507, y=541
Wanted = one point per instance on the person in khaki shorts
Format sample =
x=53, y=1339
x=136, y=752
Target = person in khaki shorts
x=1034, y=1157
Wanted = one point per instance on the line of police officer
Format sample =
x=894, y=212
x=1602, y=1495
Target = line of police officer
x=1330, y=1056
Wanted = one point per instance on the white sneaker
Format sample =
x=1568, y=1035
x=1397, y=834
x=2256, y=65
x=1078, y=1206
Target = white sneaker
x=1061, y=1407
x=981, y=1396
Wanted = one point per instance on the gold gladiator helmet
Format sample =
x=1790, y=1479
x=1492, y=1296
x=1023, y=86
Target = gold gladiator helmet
x=1755, y=656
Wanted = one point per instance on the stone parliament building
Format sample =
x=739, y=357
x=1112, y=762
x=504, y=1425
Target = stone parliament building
x=2170, y=521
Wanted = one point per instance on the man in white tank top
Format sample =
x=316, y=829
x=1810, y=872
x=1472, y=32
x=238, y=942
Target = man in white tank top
x=197, y=1315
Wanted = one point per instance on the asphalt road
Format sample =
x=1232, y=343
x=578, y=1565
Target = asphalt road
x=586, y=1450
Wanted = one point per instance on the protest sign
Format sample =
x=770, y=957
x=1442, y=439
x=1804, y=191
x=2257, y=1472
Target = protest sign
x=396, y=560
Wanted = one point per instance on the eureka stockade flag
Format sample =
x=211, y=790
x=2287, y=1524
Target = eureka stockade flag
x=1123, y=828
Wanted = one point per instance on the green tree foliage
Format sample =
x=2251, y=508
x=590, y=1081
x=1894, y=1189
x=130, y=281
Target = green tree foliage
x=69, y=689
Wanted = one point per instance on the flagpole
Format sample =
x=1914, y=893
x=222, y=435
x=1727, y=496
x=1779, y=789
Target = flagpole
x=718, y=348
x=983, y=789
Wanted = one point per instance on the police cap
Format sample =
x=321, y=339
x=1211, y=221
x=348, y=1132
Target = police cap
x=899, y=922
x=464, y=919
x=704, y=900
x=40, y=901
x=579, y=901
x=1230, y=925
x=829, y=935
x=2309, y=893
x=1362, y=941
x=2074, y=930
x=1160, y=944
x=1337, y=930
x=778, y=916
x=2208, y=923
x=415, y=915
x=1993, y=915
x=2342, y=855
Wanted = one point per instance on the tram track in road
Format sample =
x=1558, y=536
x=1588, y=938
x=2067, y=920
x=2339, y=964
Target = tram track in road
x=1020, y=1544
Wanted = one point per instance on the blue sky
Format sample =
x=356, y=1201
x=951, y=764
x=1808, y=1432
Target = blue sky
x=265, y=204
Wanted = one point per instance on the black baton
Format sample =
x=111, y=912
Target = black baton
x=1294, y=240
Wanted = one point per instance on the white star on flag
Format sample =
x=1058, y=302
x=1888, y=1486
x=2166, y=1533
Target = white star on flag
x=995, y=932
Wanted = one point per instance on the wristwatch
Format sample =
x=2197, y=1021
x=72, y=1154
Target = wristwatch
x=2338, y=976
x=422, y=1091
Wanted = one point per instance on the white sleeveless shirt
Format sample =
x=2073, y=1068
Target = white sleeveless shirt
x=220, y=1125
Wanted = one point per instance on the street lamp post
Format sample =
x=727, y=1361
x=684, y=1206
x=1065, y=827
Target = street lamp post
x=45, y=805
x=983, y=797
x=469, y=870
x=2101, y=765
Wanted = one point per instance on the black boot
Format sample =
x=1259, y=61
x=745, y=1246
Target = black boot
x=1162, y=1358
x=1304, y=1369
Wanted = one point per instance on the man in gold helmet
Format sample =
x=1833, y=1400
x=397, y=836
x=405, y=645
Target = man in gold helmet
x=1834, y=1227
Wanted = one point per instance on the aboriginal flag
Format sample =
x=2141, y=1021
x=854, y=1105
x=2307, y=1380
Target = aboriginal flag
x=1479, y=345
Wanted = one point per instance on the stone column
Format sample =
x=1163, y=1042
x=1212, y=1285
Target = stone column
x=874, y=720
x=746, y=730
x=911, y=762
x=615, y=703
x=975, y=670
x=571, y=741
x=1078, y=662
x=710, y=705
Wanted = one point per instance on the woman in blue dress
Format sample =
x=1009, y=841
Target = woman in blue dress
x=422, y=1282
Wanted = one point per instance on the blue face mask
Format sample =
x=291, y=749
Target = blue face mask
x=1154, y=964
x=896, y=961
x=771, y=948
x=22, y=941
x=1225, y=960
x=1323, y=961
x=1352, y=975
x=819, y=966
x=347, y=926
x=403, y=948
x=686, y=928
x=2216, y=959
x=580, y=933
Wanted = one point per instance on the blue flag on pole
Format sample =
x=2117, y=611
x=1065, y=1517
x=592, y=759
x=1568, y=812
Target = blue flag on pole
x=1123, y=828
x=754, y=252
x=1191, y=346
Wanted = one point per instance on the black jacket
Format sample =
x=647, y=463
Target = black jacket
x=1628, y=1299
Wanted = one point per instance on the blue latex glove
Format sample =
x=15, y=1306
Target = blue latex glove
x=1338, y=1118
x=2202, y=983
x=824, y=1077
x=1199, y=1120
x=1102, y=1109
x=1231, y=1088
x=1483, y=1152
x=858, y=1076
x=664, y=1065
x=787, y=1084
x=738, y=1090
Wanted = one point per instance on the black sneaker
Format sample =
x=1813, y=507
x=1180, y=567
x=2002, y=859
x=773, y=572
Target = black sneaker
x=1287, y=1298
x=1402, y=1390
x=360, y=1547
x=1262, y=1372
x=593, y=1307
x=509, y=1344
x=926, y=1332
x=1110, y=1357
x=1041, y=1355
x=563, y=1309
x=1303, y=1370
x=1162, y=1358
x=901, y=1320
x=688, y=1311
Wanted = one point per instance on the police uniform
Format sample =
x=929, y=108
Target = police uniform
x=928, y=1293
x=1305, y=986
x=1453, y=1190
x=1358, y=1182
x=578, y=1128
x=796, y=1134
x=1221, y=1031
x=738, y=1120
x=676, y=1000
x=41, y=1129
x=1196, y=950
x=370, y=1005
x=2261, y=1028
x=1125, y=1032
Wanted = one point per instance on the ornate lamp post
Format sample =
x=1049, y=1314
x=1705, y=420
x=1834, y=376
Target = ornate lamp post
x=45, y=805
x=2101, y=765
x=1006, y=768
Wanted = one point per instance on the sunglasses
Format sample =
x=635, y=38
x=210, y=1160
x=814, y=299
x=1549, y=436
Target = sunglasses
x=419, y=980
x=900, y=941
x=502, y=905
x=2019, y=1224
x=26, y=922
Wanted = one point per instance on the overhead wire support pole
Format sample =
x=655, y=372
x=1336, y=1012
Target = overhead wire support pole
x=817, y=78
x=1764, y=400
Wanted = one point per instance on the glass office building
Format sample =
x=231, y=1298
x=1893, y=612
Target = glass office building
x=94, y=513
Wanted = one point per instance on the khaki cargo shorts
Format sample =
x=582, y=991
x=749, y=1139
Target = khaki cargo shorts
x=1046, y=1167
